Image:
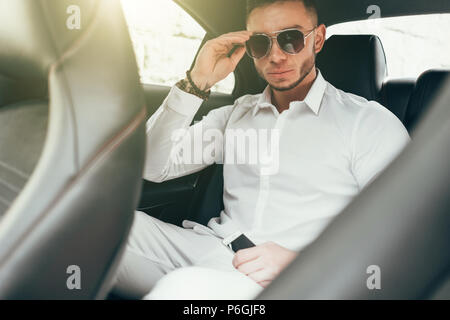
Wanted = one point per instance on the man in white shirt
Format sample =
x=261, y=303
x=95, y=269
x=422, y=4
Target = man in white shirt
x=316, y=147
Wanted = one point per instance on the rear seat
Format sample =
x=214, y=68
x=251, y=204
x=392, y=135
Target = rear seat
x=357, y=64
x=422, y=97
x=354, y=63
x=395, y=95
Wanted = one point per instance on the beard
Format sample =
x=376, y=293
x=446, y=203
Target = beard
x=305, y=69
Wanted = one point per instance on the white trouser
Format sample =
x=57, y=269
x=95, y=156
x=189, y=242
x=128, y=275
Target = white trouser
x=164, y=261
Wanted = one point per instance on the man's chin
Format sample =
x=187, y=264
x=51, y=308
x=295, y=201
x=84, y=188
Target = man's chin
x=286, y=87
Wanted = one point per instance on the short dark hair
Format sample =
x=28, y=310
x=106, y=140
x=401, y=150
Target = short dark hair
x=310, y=5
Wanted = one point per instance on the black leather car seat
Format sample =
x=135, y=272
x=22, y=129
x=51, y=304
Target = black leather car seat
x=72, y=146
x=427, y=87
x=354, y=63
x=395, y=95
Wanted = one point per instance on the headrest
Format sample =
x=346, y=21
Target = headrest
x=34, y=34
x=427, y=86
x=354, y=63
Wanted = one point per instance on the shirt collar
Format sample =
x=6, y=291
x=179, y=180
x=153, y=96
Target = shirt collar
x=313, y=99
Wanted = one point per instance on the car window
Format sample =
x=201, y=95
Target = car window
x=165, y=39
x=412, y=44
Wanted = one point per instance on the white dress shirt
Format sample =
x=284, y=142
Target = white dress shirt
x=330, y=146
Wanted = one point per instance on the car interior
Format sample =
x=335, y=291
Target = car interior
x=361, y=56
x=62, y=160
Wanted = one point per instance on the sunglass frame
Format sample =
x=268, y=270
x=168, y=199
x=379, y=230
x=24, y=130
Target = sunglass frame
x=275, y=36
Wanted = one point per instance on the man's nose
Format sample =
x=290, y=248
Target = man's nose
x=276, y=54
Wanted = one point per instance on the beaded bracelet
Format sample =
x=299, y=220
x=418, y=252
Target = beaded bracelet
x=204, y=94
x=186, y=87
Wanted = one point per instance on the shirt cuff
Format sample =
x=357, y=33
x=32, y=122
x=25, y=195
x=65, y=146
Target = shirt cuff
x=182, y=102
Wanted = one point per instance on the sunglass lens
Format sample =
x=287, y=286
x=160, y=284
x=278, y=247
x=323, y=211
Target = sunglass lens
x=291, y=41
x=257, y=46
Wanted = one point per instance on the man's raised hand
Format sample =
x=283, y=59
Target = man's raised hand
x=213, y=63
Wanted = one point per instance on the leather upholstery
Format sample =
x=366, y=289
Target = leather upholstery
x=207, y=200
x=395, y=95
x=23, y=131
x=71, y=158
x=354, y=63
x=427, y=86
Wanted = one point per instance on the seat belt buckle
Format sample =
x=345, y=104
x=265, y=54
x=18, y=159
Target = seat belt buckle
x=237, y=241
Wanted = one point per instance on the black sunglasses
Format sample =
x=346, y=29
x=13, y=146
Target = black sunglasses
x=291, y=41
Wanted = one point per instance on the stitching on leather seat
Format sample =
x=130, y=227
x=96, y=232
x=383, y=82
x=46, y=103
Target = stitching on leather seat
x=15, y=170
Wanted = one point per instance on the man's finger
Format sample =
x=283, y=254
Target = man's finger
x=251, y=266
x=237, y=33
x=264, y=283
x=237, y=55
x=231, y=40
x=261, y=275
x=227, y=44
x=245, y=255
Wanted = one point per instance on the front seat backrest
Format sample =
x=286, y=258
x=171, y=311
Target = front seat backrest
x=71, y=158
x=354, y=63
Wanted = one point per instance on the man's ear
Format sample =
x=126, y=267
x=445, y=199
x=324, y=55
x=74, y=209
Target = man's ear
x=319, y=39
